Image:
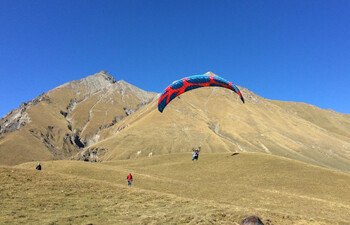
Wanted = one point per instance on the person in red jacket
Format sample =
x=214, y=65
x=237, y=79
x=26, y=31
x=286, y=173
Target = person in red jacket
x=129, y=178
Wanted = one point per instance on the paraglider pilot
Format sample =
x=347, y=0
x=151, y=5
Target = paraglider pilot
x=195, y=153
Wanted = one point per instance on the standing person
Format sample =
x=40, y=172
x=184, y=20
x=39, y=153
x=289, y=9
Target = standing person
x=194, y=154
x=38, y=167
x=129, y=178
x=197, y=150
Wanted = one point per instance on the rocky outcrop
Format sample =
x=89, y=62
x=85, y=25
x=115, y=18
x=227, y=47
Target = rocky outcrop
x=91, y=155
x=49, y=137
x=18, y=118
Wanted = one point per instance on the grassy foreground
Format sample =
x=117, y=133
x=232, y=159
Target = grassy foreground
x=48, y=198
x=171, y=189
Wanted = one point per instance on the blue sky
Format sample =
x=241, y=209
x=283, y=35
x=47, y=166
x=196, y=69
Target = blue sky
x=283, y=50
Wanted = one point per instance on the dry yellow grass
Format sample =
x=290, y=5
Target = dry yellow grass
x=215, y=119
x=32, y=197
x=172, y=189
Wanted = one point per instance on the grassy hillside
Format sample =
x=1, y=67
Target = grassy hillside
x=31, y=197
x=215, y=119
x=219, y=188
x=100, y=113
x=18, y=147
x=330, y=120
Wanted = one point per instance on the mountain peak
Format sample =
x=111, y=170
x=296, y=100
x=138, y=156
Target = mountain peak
x=93, y=83
x=104, y=74
x=210, y=73
x=104, y=71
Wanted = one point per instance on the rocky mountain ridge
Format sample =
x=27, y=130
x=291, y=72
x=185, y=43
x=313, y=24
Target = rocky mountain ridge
x=17, y=118
x=92, y=83
x=70, y=117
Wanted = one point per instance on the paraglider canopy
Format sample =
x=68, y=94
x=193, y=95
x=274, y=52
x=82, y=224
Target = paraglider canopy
x=189, y=83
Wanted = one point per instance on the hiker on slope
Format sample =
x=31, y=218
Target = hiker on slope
x=129, y=178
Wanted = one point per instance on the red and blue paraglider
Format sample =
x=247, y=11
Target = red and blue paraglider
x=189, y=83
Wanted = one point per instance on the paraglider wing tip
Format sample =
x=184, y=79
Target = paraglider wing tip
x=160, y=109
x=242, y=99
